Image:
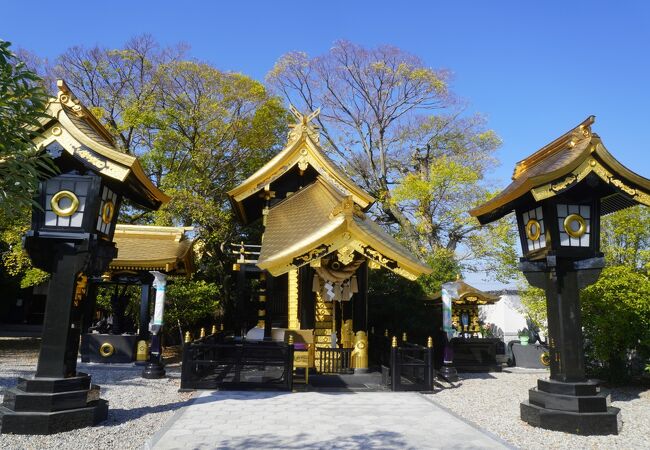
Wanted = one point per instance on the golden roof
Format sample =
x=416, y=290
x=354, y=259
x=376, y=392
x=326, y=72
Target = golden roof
x=465, y=294
x=302, y=150
x=77, y=130
x=319, y=220
x=144, y=247
x=559, y=166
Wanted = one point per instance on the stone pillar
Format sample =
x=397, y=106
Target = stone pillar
x=155, y=368
x=567, y=401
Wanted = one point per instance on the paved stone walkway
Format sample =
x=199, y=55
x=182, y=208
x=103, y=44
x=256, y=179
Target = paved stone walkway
x=318, y=420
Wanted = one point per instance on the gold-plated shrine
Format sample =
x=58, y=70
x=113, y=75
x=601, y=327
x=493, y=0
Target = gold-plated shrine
x=146, y=247
x=465, y=300
x=318, y=244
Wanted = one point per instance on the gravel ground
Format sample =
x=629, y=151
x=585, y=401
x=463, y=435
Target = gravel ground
x=137, y=407
x=491, y=401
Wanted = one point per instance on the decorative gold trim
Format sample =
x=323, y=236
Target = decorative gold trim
x=64, y=212
x=108, y=211
x=293, y=299
x=545, y=359
x=533, y=235
x=106, y=349
x=581, y=221
x=570, y=139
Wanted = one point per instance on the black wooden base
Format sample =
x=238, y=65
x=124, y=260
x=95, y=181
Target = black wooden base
x=579, y=408
x=51, y=405
x=122, y=348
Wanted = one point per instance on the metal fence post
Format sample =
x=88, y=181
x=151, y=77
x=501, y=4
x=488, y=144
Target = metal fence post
x=429, y=365
x=395, y=371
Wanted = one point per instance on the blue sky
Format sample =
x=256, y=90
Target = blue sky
x=534, y=69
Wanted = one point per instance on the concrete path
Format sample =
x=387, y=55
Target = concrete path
x=318, y=420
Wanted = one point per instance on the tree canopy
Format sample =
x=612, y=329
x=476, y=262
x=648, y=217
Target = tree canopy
x=398, y=130
x=22, y=104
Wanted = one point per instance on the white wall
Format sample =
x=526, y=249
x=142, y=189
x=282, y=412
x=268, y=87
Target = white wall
x=505, y=315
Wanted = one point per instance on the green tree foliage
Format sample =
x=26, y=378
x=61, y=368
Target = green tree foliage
x=191, y=303
x=197, y=130
x=398, y=130
x=396, y=304
x=616, y=319
x=22, y=104
x=625, y=238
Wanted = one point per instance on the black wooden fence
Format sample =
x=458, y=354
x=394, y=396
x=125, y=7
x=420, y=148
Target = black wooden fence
x=411, y=368
x=215, y=362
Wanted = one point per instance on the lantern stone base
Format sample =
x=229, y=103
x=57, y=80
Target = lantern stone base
x=448, y=373
x=153, y=370
x=572, y=407
x=51, y=405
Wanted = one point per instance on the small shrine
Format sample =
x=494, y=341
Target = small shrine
x=465, y=300
x=141, y=250
x=471, y=349
x=317, y=247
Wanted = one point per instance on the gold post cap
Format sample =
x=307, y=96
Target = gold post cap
x=430, y=342
x=394, y=342
x=386, y=332
x=290, y=339
x=202, y=334
x=214, y=329
x=188, y=337
x=404, y=337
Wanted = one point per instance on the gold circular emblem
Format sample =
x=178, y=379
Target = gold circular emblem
x=361, y=345
x=66, y=211
x=108, y=211
x=545, y=359
x=533, y=230
x=575, y=225
x=106, y=349
x=56, y=131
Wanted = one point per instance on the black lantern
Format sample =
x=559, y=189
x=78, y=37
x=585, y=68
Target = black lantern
x=559, y=194
x=71, y=238
x=74, y=204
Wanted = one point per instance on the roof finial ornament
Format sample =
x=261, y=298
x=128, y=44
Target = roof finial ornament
x=304, y=125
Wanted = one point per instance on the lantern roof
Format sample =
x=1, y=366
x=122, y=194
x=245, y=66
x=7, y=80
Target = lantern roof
x=146, y=247
x=302, y=151
x=559, y=166
x=464, y=294
x=77, y=131
x=319, y=220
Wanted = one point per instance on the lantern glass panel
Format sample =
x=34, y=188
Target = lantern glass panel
x=534, y=228
x=107, y=211
x=57, y=185
x=574, y=225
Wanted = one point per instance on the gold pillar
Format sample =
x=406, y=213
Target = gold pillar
x=360, y=352
x=347, y=334
x=294, y=323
